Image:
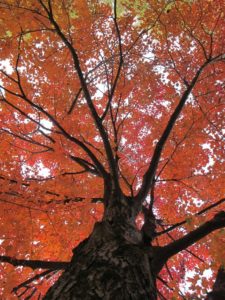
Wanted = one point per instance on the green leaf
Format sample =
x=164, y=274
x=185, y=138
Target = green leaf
x=8, y=33
x=73, y=14
x=189, y=220
x=27, y=37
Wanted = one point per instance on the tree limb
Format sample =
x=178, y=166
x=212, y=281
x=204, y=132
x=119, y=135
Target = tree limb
x=150, y=173
x=35, y=264
x=86, y=165
x=197, y=214
x=30, y=280
x=62, y=130
x=114, y=85
x=96, y=118
x=162, y=254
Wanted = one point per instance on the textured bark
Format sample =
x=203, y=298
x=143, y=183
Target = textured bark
x=113, y=263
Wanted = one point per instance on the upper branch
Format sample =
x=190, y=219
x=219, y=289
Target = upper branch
x=150, y=173
x=114, y=85
x=96, y=118
x=86, y=165
x=23, y=96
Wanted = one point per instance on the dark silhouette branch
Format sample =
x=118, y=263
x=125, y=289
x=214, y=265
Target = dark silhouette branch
x=35, y=264
x=64, y=198
x=217, y=222
x=150, y=173
x=27, y=139
x=74, y=101
x=86, y=165
x=188, y=251
x=30, y=118
x=30, y=280
x=22, y=205
x=96, y=118
x=39, y=108
x=197, y=214
x=98, y=164
x=162, y=254
x=72, y=200
x=114, y=85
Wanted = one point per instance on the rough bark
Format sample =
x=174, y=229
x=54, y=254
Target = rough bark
x=113, y=263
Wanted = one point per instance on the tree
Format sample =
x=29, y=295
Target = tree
x=111, y=144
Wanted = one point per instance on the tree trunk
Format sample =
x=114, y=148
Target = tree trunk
x=112, y=263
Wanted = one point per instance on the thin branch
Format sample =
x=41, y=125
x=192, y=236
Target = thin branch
x=35, y=264
x=22, y=205
x=73, y=200
x=62, y=130
x=36, y=277
x=3, y=99
x=87, y=96
x=74, y=101
x=120, y=62
x=62, y=201
x=26, y=139
x=89, y=167
x=197, y=214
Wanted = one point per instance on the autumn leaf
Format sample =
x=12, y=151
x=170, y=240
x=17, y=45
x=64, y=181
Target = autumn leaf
x=112, y=134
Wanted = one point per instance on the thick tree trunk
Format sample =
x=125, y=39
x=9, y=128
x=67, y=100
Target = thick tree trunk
x=112, y=263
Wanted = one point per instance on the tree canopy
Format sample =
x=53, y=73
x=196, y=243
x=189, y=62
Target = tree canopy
x=122, y=96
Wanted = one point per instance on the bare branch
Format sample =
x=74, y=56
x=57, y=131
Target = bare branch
x=197, y=214
x=150, y=173
x=74, y=101
x=62, y=130
x=26, y=139
x=61, y=199
x=36, y=277
x=3, y=99
x=35, y=264
x=86, y=165
x=162, y=254
x=120, y=62
x=87, y=96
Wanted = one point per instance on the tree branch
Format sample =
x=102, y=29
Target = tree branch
x=60, y=201
x=30, y=280
x=35, y=264
x=96, y=118
x=62, y=130
x=89, y=167
x=150, y=173
x=197, y=214
x=162, y=254
x=114, y=85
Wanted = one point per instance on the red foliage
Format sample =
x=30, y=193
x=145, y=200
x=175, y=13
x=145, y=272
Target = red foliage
x=164, y=45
